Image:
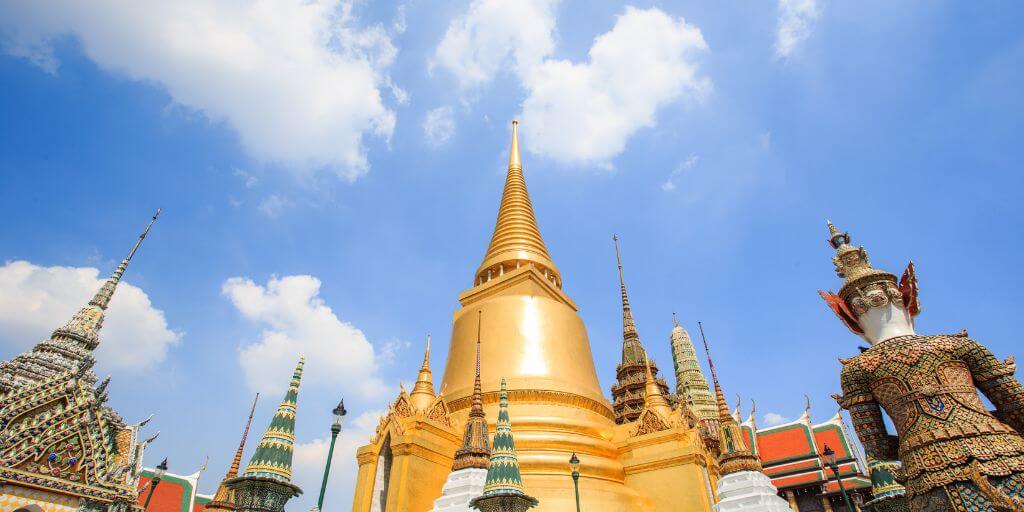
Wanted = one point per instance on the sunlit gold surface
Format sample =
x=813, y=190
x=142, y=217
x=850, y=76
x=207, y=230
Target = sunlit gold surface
x=532, y=336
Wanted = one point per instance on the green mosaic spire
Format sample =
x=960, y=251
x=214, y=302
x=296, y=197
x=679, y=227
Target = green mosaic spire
x=273, y=457
x=503, y=469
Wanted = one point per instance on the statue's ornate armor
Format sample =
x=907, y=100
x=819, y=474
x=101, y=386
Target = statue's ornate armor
x=956, y=454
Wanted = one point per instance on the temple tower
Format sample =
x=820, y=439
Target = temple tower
x=691, y=386
x=224, y=498
x=535, y=338
x=742, y=486
x=266, y=485
x=70, y=346
x=469, y=470
x=503, y=490
x=628, y=390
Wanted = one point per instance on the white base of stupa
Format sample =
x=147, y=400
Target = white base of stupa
x=461, y=486
x=749, y=491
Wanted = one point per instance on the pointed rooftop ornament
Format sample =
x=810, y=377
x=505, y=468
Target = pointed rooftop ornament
x=223, y=499
x=632, y=348
x=653, y=399
x=423, y=391
x=476, y=449
x=103, y=296
x=68, y=348
x=735, y=455
x=273, y=456
x=516, y=240
x=504, y=490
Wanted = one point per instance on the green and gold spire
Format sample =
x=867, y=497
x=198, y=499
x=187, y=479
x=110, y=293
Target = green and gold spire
x=503, y=489
x=273, y=457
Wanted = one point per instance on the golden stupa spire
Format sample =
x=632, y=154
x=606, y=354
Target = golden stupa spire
x=423, y=391
x=223, y=499
x=516, y=240
x=653, y=398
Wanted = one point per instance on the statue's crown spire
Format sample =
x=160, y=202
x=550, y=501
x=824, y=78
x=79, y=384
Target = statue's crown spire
x=516, y=240
x=852, y=263
x=103, y=296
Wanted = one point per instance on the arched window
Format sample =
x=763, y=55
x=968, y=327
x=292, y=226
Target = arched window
x=382, y=480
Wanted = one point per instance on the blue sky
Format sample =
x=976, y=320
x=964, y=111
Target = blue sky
x=362, y=147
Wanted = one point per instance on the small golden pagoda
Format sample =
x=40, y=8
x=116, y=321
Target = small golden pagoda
x=535, y=339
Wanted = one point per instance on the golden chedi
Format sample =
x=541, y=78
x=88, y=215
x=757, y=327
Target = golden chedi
x=530, y=334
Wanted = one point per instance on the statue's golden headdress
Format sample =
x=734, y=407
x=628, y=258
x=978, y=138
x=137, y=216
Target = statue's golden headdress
x=865, y=287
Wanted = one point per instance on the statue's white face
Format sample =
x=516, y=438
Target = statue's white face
x=882, y=323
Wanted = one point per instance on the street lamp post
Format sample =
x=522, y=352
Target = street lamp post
x=339, y=414
x=830, y=460
x=574, y=465
x=161, y=470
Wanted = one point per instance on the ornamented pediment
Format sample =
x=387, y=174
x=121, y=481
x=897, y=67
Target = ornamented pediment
x=438, y=412
x=59, y=435
x=651, y=421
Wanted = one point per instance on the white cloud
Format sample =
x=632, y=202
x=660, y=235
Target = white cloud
x=296, y=321
x=247, y=178
x=309, y=459
x=586, y=112
x=299, y=81
x=35, y=300
x=670, y=184
x=274, y=205
x=578, y=113
x=438, y=126
x=795, y=19
x=497, y=34
x=771, y=419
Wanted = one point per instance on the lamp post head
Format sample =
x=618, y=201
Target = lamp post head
x=829, y=456
x=574, y=464
x=339, y=412
x=161, y=470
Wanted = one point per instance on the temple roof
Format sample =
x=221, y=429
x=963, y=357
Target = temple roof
x=176, y=493
x=516, y=237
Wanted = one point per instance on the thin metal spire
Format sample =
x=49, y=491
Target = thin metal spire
x=103, y=296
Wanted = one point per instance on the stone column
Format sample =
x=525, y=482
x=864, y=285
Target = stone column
x=826, y=503
x=791, y=498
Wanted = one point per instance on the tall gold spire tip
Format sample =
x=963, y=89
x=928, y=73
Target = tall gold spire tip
x=514, y=159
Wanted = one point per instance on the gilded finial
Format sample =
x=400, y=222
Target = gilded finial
x=426, y=356
x=423, y=391
x=516, y=241
x=514, y=160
